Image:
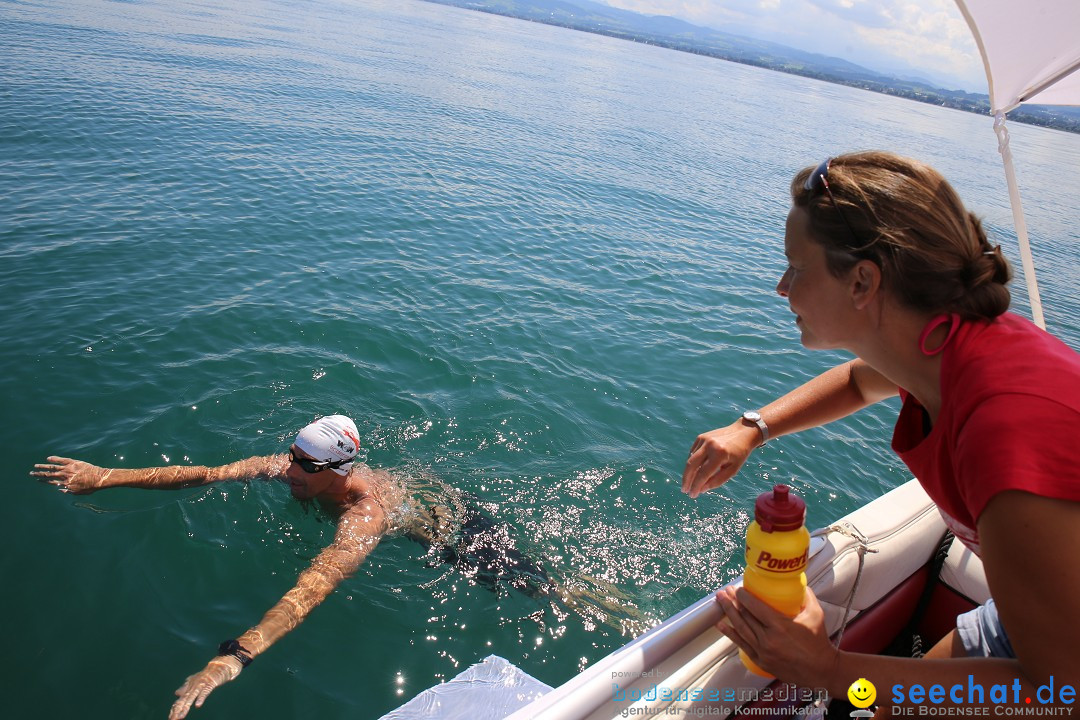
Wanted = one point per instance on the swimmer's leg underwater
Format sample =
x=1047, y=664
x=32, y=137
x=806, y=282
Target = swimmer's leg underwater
x=484, y=551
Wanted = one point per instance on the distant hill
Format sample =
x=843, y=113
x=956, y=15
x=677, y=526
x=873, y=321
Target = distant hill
x=680, y=35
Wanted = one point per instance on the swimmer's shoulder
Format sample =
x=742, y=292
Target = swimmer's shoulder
x=375, y=487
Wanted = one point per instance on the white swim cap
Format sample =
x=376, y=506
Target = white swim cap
x=330, y=439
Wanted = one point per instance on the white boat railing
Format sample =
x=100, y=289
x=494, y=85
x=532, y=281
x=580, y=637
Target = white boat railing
x=685, y=661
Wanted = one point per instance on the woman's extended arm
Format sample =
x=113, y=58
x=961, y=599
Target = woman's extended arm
x=81, y=478
x=717, y=455
x=359, y=531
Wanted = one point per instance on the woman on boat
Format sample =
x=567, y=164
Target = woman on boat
x=885, y=262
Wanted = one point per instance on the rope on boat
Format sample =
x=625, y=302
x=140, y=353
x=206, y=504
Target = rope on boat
x=849, y=530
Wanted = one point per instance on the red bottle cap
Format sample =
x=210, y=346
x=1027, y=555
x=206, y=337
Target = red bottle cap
x=779, y=510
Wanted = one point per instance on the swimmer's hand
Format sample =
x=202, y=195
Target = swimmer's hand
x=219, y=671
x=717, y=455
x=71, y=476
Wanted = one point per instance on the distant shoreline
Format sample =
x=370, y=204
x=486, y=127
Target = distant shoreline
x=921, y=92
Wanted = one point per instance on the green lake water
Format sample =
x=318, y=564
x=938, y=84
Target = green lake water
x=531, y=262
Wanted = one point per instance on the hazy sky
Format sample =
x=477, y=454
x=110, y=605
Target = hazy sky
x=914, y=37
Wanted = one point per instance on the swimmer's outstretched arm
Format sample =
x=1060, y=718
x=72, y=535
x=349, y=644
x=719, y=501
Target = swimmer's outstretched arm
x=359, y=531
x=80, y=478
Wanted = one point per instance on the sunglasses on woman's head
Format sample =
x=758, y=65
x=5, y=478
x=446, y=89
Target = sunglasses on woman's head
x=820, y=179
x=313, y=466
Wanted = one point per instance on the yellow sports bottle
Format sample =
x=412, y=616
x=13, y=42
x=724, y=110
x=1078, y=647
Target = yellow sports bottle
x=777, y=544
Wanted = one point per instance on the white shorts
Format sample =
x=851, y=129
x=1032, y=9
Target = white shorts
x=982, y=633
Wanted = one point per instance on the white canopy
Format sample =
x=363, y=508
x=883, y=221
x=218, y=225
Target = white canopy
x=1031, y=51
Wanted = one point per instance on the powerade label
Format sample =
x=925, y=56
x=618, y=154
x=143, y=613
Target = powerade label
x=767, y=561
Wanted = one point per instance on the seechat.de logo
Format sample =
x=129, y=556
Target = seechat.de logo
x=974, y=698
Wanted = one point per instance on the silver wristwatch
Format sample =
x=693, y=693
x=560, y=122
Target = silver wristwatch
x=754, y=418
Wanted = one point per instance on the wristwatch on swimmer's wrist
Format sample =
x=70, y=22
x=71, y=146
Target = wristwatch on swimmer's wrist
x=233, y=649
x=753, y=417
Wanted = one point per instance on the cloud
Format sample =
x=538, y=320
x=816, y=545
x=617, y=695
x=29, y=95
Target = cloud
x=931, y=34
x=859, y=12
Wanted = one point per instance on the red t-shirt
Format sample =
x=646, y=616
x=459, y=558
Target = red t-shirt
x=1009, y=420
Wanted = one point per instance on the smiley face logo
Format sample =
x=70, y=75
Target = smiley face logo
x=862, y=693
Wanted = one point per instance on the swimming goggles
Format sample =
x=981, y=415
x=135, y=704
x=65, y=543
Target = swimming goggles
x=820, y=179
x=313, y=466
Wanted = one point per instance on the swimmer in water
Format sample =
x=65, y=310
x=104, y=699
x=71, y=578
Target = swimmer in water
x=366, y=502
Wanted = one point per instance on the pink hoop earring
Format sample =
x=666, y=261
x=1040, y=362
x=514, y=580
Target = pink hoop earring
x=933, y=325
